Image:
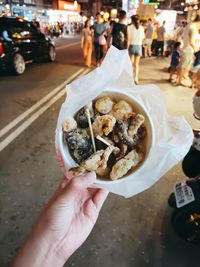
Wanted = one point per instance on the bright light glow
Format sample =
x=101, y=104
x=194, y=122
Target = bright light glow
x=75, y=4
x=106, y=15
x=84, y=18
x=195, y=7
x=156, y=6
x=101, y=13
x=182, y=4
x=114, y=11
x=185, y=9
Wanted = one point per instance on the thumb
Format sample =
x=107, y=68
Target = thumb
x=77, y=184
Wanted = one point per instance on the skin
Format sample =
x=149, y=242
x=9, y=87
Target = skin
x=63, y=225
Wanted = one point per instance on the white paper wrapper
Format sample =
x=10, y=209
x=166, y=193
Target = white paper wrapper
x=173, y=136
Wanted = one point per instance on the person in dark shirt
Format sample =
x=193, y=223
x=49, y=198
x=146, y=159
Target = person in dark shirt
x=175, y=59
x=118, y=32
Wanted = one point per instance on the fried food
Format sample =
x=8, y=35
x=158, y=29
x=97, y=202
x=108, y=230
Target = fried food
x=69, y=124
x=128, y=129
x=119, y=137
x=104, y=105
x=96, y=162
x=120, y=109
x=122, y=166
x=136, y=122
x=103, y=125
x=80, y=144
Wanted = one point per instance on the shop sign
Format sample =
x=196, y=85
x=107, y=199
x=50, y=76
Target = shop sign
x=69, y=6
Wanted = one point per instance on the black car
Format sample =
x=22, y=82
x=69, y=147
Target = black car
x=22, y=42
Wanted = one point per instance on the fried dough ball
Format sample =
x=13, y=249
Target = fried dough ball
x=103, y=125
x=104, y=105
x=120, y=109
x=69, y=124
x=122, y=166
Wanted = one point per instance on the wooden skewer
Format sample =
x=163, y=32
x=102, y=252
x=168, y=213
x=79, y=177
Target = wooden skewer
x=90, y=127
x=103, y=140
x=116, y=149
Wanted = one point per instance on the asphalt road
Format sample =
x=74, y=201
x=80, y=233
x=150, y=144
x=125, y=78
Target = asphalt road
x=133, y=232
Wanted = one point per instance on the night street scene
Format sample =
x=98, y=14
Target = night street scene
x=99, y=133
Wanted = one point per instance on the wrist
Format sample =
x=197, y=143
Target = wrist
x=37, y=252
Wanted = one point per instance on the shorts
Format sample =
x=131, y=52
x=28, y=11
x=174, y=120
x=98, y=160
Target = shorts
x=135, y=50
x=173, y=68
x=148, y=42
x=186, y=58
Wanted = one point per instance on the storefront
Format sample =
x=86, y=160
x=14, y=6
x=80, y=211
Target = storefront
x=66, y=12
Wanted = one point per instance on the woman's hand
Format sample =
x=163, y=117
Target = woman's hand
x=64, y=224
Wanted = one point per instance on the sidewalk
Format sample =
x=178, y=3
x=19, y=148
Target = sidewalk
x=178, y=98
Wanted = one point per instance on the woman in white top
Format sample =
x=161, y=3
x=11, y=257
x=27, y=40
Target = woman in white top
x=136, y=36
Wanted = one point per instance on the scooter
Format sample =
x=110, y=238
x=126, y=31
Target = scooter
x=185, y=200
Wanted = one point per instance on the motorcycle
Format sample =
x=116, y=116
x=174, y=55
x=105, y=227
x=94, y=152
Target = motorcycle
x=185, y=200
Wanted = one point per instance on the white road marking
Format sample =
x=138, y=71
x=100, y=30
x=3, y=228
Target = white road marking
x=68, y=45
x=33, y=117
x=37, y=104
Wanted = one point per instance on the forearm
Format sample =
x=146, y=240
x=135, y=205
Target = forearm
x=37, y=253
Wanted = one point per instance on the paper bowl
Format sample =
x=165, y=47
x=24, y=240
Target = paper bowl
x=69, y=161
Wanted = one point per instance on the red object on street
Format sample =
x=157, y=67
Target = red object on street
x=1, y=49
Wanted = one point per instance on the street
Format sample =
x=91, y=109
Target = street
x=133, y=232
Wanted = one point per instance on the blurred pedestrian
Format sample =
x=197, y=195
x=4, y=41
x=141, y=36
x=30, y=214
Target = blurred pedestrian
x=148, y=38
x=118, y=32
x=191, y=44
x=175, y=59
x=186, y=61
x=196, y=70
x=136, y=36
x=100, y=29
x=87, y=43
x=161, y=40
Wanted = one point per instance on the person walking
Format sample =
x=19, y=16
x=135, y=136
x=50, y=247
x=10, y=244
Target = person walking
x=118, y=32
x=136, y=36
x=99, y=45
x=87, y=43
x=191, y=44
x=161, y=40
x=148, y=39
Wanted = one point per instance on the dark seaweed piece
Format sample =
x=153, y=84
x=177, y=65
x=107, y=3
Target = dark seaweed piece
x=81, y=118
x=79, y=143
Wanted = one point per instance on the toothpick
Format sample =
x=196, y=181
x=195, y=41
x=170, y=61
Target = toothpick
x=103, y=140
x=90, y=127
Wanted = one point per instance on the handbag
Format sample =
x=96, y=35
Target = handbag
x=102, y=40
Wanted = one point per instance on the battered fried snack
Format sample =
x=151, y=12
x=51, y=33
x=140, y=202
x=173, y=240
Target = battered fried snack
x=96, y=162
x=119, y=137
x=69, y=124
x=79, y=143
x=136, y=122
x=120, y=109
x=122, y=166
x=103, y=125
x=104, y=105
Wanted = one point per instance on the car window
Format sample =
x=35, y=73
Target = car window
x=18, y=29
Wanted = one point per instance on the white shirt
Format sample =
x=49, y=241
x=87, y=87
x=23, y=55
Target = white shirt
x=136, y=35
x=192, y=29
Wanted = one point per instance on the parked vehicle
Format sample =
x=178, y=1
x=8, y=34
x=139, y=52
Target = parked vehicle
x=21, y=42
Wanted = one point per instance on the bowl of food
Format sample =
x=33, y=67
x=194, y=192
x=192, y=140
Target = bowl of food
x=113, y=136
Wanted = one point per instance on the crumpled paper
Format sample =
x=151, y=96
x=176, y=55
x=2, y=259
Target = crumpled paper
x=173, y=135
